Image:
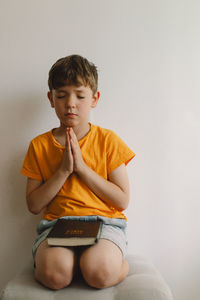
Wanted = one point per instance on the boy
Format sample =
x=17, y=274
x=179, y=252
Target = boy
x=78, y=171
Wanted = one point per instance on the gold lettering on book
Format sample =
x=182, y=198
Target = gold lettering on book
x=74, y=232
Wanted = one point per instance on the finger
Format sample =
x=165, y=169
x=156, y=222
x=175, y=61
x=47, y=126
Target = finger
x=68, y=132
x=73, y=135
x=66, y=138
x=67, y=142
x=72, y=143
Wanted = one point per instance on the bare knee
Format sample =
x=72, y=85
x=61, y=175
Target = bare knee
x=54, y=279
x=54, y=266
x=54, y=273
x=102, y=265
x=97, y=276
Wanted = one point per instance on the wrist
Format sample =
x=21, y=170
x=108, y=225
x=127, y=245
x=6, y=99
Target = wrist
x=64, y=172
x=82, y=169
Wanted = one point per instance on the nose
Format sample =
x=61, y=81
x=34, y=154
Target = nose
x=70, y=102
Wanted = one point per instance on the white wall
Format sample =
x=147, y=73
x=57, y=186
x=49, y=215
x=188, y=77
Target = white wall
x=147, y=53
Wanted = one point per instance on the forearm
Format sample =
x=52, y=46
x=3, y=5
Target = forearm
x=45, y=193
x=104, y=189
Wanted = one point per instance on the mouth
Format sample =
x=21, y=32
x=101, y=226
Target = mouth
x=70, y=115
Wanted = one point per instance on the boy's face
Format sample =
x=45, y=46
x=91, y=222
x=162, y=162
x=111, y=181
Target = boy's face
x=73, y=103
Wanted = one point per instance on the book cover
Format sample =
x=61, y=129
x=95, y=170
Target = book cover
x=73, y=233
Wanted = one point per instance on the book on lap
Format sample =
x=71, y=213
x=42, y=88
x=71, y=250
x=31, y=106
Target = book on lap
x=74, y=233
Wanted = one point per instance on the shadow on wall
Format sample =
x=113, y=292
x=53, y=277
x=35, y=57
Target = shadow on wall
x=17, y=120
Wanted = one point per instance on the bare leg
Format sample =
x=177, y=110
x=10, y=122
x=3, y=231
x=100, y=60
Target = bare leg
x=54, y=266
x=103, y=265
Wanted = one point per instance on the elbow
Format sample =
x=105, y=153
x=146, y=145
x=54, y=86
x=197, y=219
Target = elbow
x=124, y=206
x=124, y=203
x=126, y=200
x=32, y=208
x=33, y=211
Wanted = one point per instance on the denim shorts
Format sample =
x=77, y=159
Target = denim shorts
x=111, y=229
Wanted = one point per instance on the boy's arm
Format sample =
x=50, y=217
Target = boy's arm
x=39, y=194
x=114, y=191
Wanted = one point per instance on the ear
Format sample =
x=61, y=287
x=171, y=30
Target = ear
x=50, y=97
x=95, y=99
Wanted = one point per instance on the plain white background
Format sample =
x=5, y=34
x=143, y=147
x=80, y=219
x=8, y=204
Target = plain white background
x=147, y=53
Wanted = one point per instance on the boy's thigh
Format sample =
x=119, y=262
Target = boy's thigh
x=54, y=258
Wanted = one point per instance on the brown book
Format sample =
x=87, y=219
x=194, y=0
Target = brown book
x=73, y=233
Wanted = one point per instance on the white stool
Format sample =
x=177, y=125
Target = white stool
x=143, y=282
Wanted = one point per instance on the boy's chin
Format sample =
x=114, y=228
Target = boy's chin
x=69, y=124
x=73, y=123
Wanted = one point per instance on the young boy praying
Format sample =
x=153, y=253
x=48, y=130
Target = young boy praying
x=78, y=171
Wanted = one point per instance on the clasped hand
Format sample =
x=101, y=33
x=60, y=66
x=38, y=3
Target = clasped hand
x=72, y=157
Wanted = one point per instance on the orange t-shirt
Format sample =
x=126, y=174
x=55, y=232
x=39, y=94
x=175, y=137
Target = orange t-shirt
x=102, y=150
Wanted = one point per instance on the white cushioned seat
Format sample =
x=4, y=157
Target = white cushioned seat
x=143, y=282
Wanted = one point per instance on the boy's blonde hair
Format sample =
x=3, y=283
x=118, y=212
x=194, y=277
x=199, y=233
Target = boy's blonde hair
x=73, y=70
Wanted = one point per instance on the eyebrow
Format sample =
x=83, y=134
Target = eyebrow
x=63, y=91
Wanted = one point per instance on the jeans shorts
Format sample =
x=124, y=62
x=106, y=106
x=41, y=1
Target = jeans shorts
x=111, y=229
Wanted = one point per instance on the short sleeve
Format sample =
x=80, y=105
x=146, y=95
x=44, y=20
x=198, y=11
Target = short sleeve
x=30, y=166
x=117, y=152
